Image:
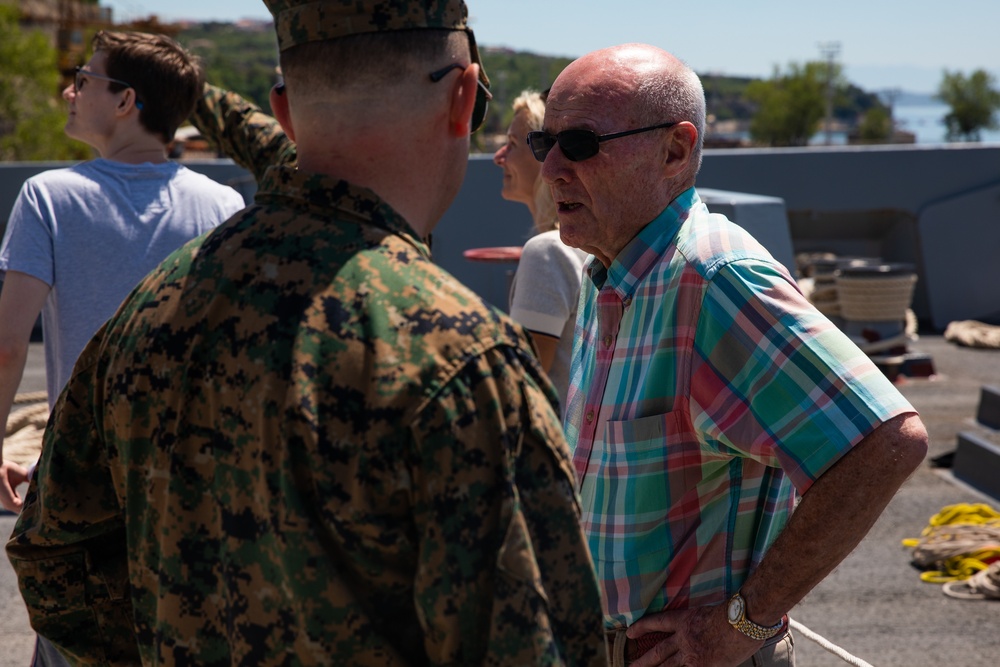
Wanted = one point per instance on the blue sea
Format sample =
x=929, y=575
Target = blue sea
x=923, y=116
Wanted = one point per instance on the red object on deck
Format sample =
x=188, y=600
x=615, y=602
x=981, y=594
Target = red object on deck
x=510, y=253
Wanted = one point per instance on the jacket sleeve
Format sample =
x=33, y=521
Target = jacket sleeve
x=68, y=547
x=504, y=575
x=242, y=131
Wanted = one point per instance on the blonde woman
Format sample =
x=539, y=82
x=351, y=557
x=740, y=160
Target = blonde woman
x=546, y=288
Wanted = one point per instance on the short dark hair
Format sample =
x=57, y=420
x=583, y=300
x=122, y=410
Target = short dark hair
x=369, y=58
x=166, y=78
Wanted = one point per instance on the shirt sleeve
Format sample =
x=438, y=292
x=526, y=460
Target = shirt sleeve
x=68, y=547
x=504, y=574
x=775, y=380
x=242, y=131
x=547, y=286
x=27, y=242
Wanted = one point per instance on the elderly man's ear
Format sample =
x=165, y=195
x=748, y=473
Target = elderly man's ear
x=680, y=145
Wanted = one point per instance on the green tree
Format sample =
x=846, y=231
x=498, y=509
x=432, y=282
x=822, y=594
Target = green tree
x=31, y=113
x=875, y=126
x=974, y=102
x=789, y=106
x=243, y=59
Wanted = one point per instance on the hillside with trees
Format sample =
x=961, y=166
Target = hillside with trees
x=243, y=57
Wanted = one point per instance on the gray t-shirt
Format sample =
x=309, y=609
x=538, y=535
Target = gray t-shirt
x=544, y=297
x=93, y=231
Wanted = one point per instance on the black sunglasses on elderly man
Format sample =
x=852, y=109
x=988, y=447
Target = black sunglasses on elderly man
x=483, y=95
x=577, y=145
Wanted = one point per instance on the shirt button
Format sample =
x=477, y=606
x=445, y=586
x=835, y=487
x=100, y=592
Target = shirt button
x=628, y=301
x=607, y=341
x=590, y=417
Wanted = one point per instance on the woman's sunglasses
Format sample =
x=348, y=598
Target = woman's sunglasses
x=577, y=145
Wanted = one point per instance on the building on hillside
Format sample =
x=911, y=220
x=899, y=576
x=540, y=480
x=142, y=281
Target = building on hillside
x=67, y=24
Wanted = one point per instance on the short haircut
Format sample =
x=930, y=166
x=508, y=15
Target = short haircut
x=167, y=79
x=368, y=59
x=676, y=97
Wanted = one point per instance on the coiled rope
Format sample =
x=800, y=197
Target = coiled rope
x=22, y=441
x=961, y=543
x=31, y=397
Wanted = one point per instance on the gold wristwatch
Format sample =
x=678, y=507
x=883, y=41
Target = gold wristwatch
x=736, y=611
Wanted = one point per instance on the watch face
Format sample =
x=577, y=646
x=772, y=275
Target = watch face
x=735, y=610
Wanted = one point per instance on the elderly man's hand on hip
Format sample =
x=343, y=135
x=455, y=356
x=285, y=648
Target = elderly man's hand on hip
x=696, y=637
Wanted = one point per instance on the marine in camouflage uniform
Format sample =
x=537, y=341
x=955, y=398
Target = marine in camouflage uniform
x=299, y=441
x=240, y=130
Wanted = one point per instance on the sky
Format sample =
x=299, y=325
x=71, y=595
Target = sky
x=900, y=45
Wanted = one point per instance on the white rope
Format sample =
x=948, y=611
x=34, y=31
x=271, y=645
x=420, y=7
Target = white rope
x=827, y=644
x=31, y=397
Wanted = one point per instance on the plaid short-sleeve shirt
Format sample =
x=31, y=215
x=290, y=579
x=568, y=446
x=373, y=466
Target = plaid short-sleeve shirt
x=705, y=390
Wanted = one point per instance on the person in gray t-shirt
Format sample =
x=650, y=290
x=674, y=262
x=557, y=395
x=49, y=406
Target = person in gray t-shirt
x=79, y=239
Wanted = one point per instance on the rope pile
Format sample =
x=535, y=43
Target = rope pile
x=971, y=333
x=22, y=442
x=861, y=290
x=960, y=548
x=822, y=268
x=875, y=298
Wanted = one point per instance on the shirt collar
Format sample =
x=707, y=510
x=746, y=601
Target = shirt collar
x=640, y=255
x=323, y=194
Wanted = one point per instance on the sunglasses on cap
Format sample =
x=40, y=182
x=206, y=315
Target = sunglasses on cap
x=483, y=95
x=577, y=145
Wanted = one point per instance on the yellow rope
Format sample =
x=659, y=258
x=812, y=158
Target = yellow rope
x=958, y=542
x=959, y=568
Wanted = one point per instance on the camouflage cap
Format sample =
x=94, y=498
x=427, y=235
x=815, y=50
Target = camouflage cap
x=300, y=21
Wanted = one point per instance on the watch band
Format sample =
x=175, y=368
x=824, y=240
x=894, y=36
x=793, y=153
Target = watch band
x=736, y=612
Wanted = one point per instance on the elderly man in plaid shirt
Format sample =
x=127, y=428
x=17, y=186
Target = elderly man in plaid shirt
x=706, y=392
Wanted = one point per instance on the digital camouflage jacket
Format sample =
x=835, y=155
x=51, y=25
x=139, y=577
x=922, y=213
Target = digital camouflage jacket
x=300, y=442
x=239, y=129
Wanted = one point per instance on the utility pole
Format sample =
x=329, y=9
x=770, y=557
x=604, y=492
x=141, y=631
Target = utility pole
x=830, y=51
x=889, y=95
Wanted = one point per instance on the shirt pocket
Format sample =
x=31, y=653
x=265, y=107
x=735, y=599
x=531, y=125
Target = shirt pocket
x=644, y=497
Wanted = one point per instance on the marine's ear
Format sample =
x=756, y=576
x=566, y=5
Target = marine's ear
x=279, y=107
x=463, y=100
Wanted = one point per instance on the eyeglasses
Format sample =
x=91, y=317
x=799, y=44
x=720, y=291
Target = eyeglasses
x=79, y=81
x=483, y=95
x=577, y=145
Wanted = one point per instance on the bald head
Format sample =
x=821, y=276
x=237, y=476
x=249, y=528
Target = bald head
x=645, y=82
x=646, y=110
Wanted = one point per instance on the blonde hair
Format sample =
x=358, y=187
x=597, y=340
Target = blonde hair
x=532, y=103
